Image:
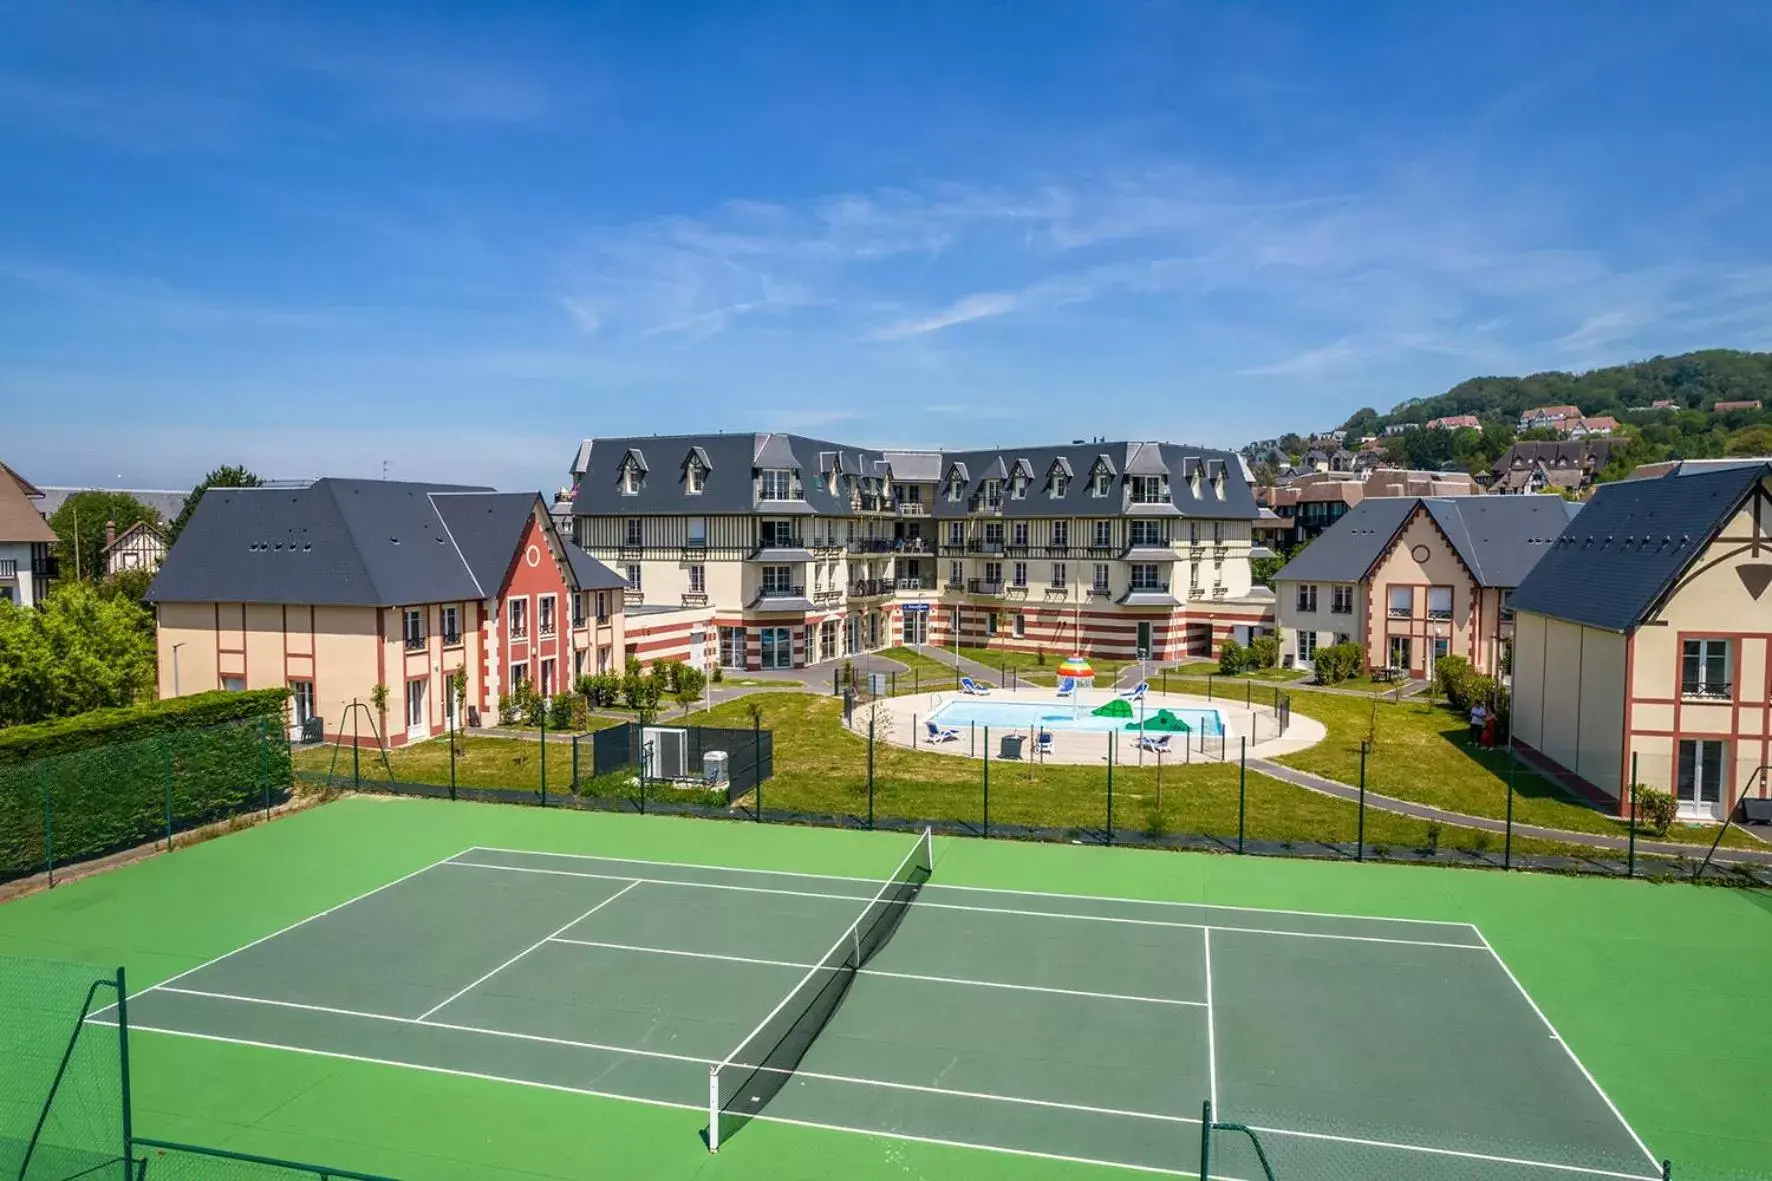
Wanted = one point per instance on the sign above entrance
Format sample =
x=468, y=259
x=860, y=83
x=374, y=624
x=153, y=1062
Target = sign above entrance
x=914, y=607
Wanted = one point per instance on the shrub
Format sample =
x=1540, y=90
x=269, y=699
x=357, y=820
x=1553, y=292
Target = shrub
x=1264, y=652
x=535, y=709
x=1452, y=680
x=1431, y=835
x=560, y=711
x=1655, y=809
x=586, y=687
x=1232, y=658
x=719, y=674
x=102, y=727
x=690, y=684
x=1339, y=662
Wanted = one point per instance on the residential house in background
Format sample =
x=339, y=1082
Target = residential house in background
x=1549, y=418
x=26, y=564
x=779, y=551
x=168, y=503
x=1455, y=422
x=142, y=546
x=1311, y=503
x=338, y=586
x=1726, y=407
x=1644, y=642
x=1546, y=466
x=1413, y=579
x=1597, y=427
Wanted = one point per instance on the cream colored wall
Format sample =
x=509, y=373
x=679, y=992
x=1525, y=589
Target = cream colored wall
x=1600, y=716
x=1323, y=621
x=190, y=629
x=1569, y=696
x=1529, y=705
x=1442, y=567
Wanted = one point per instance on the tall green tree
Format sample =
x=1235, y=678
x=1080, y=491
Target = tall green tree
x=80, y=525
x=227, y=476
x=77, y=651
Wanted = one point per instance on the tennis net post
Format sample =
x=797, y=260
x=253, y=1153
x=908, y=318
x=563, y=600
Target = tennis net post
x=772, y=1051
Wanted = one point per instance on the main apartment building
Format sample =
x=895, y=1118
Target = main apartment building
x=778, y=551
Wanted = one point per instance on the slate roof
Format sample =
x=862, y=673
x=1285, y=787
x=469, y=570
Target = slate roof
x=347, y=543
x=1500, y=538
x=19, y=516
x=168, y=502
x=1613, y=564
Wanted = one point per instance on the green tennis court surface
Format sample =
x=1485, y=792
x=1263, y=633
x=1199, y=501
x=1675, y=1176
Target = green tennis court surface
x=1053, y=1025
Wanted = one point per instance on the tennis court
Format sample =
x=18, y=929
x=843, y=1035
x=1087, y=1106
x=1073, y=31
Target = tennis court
x=1053, y=1025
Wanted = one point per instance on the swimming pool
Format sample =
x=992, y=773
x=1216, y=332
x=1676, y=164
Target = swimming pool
x=1055, y=714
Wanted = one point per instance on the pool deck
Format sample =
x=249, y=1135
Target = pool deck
x=902, y=722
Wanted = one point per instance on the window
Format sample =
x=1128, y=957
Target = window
x=694, y=480
x=956, y=533
x=1061, y=485
x=1100, y=581
x=1144, y=577
x=1100, y=483
x=1147, y=490
x=993, y=573
x=993, y=494
x=1700, y=786
x=1104, y=535
x=1439, y=602
x=1018, y=533
x=1341, y=600
x=545, y=615
x=634, y=576
x=1193, y=576
x=415, y=704
x=778, y=534
x=1399, y=652
x=1402, y=602
x=1148, y=533
x=1020, y=574
x=519, y=675
x=301, y=697
x=1061, y=534
x=602, y=606
x=1059, y=575
x=632, y=534
x=1018, y=488
x=1507, y=603
x=1307, y=598
x=698, y=579
x=547, y=677
x=1442, y=646
x=520, y=616
x=1218, y=533
x=234, y=684
x=993, y=533
x=413, y=627
x=956, y=489
x=732, y=647
x=452, y=625
x=578, y=609
x=1307, y=645
x=777, y=580
x=1021, y=626
x=956, y=573
x=1193, y=533
x=910, y=494
x=630, y=479
x=698, y=532
x=777, y=484
x=1704, y=669
x=990, y=623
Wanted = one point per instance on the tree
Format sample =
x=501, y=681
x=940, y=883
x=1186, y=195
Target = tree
x=227, y=476
x=1753, y=440
x=1264, y=569
x=78, y=652
x=80, y=525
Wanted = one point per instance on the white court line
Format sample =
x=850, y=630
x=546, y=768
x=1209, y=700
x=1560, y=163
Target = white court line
x=745, y=959
x=285, y=930
x=923, y=903
x=1460, y=1153
x=455, y=996
x=1211, y=1024
x=940, y=886
x=1558, y=1038
x=572, y=1043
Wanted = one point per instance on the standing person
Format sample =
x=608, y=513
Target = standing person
x=1479, y=715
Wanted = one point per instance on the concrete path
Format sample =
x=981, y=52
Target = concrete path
x=1594, y=840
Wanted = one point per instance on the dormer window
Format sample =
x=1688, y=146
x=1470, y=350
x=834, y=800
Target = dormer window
x=777, y=483
x=1193, y=482
x=630, y=479
x=1018, y=488
x=956, y=489
x=1061, y=484
x=694, y=479
x=1101, y=482
x=1218, y=484
x=1147, y=490
x=993, y=493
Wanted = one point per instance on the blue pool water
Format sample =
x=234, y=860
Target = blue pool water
x=1056, y=715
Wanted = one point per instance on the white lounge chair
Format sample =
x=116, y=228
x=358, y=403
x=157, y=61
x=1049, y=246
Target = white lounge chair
x=1137, y=692
x=1043, y=742
x=942, y=733
x=972, y=688
x=1155, y=743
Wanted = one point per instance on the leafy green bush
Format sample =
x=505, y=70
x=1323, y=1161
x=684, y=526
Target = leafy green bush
x=1232, y=658
x=1655, y=809
x=1339, y=662
x=1264, y=652
x=103, y=727
x=560, y=711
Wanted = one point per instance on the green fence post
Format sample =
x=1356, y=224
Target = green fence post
x=987, y=782
x=356, y=749
x=1630, y=863
x=264, y=768
x=1206, y=1141
x=166, y=754
x=1242, y=786
x=1249, y=695
x=1113, y=745
x=123, y=1067
x=1208, y=686
x=48, y=824
x=1507, y=841
x=544, y=757
x=1360, y=839
x=452, y=735
x=871, y=770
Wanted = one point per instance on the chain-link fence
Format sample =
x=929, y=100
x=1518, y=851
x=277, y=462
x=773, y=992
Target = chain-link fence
x=164, y=1160
x=63, y=1078
x=60, y=810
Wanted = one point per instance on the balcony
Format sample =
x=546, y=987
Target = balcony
x=827, y=596
x=695, y=598
x=630, y=597
x=1099, y=591
x=1401, y=613
x=1018, y=549
x=415, y=643
x=994, y=548
x=520, y=631
x=984, y=586
x=547, y=627
x=912, y=508
x=1057, y=590
x=694, y=551
x=631, y=550
x=1440, y=614
x=953, y=586
x=451, y=639
x=781, y=549
x=1707, y=690
x=871, y=545
x=871, y=588
x=782, y=592
x=987, y=508
x=872, y=504
x=1102, y=551
x=8, y=567
x=1146, y=593
x=784, y=598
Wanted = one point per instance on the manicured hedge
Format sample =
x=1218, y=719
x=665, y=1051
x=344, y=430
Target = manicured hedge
x=93, y=800
x=102, y=727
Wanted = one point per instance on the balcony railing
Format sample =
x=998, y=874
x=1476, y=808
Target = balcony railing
x=1099, y=591
x=1153, y=588
x=1439, y=613
x=1402, y=613
x=780, y=542
x=630, y=549
x=1341, y=608
x=783, y=592
x=1708, y=690
x=1304, y=605
x=984, y=586
x=631, y=594
x=984, y=547
x=695, y=551
x=547, y=627
x=695, y=598
x=867, y=588
x=910, y=582
x=414, y=643
x=451, y=639
x=912, y=508
x=953, y=585
x=872, y=545
x=8, y=567
x=520, y=631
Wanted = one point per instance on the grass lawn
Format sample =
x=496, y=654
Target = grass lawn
x=482, y=762
x=1204, y=668
x=822, y=768
x=1422, y=755
x=1030, y=666
x=932, y=671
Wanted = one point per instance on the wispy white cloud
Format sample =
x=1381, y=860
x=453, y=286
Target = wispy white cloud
x=164, y=304
x=981, y=306
x=583, y=316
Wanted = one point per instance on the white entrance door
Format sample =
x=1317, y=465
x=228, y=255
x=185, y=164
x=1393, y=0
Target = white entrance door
x=916, y=627
x=1699, y=792
x=416, y=722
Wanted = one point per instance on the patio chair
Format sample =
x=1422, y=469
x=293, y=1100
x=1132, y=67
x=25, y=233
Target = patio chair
x=1066, y=686
x=1137, y=692
x=972, y=688
x=942, y=733
x=1043, y=742
x=1157, y=744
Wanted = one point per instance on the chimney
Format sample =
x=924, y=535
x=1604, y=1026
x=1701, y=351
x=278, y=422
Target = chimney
x=110, y=534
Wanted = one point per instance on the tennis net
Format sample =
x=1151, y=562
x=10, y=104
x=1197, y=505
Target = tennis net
x=749, y=1077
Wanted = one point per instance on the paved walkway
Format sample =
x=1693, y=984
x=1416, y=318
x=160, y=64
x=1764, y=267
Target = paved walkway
x=1594, y=840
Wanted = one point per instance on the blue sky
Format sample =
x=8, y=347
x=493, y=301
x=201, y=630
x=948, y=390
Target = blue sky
x=459, y=237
